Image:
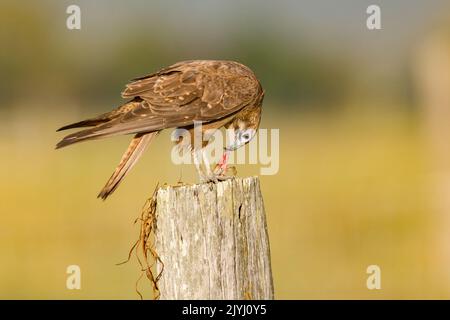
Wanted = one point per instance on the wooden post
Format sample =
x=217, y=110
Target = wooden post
x=213, y=242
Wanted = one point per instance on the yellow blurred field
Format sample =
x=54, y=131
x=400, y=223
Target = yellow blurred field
x=351, y=191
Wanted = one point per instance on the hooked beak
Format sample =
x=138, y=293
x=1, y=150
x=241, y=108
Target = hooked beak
x=232, y=147
x=234, y=141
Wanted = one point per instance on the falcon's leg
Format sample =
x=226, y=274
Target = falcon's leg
x=198, y=166
x=209, y=174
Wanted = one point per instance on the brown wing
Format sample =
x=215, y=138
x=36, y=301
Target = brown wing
x=177, y=96
x=193, y=91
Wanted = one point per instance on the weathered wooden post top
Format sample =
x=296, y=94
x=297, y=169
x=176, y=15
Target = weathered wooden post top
x=212, y=240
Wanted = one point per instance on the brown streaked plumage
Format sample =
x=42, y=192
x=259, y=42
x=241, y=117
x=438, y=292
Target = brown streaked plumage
x=216, y=93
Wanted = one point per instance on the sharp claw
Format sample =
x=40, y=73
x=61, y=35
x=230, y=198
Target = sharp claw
x=223, y=178
x=213, y=178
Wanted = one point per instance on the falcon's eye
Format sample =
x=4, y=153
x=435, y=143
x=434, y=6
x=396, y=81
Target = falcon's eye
x=246, y=136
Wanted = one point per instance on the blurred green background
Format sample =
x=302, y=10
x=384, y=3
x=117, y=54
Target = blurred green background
x=364, y=120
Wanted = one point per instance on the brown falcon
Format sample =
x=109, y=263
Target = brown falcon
x=215, y=93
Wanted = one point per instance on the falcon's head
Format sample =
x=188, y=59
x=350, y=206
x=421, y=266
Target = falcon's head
x=241, y=138
x=244, y=128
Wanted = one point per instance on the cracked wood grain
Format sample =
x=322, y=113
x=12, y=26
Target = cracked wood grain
x=213, y=241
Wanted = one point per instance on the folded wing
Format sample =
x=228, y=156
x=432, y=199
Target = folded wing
x=176, y=97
